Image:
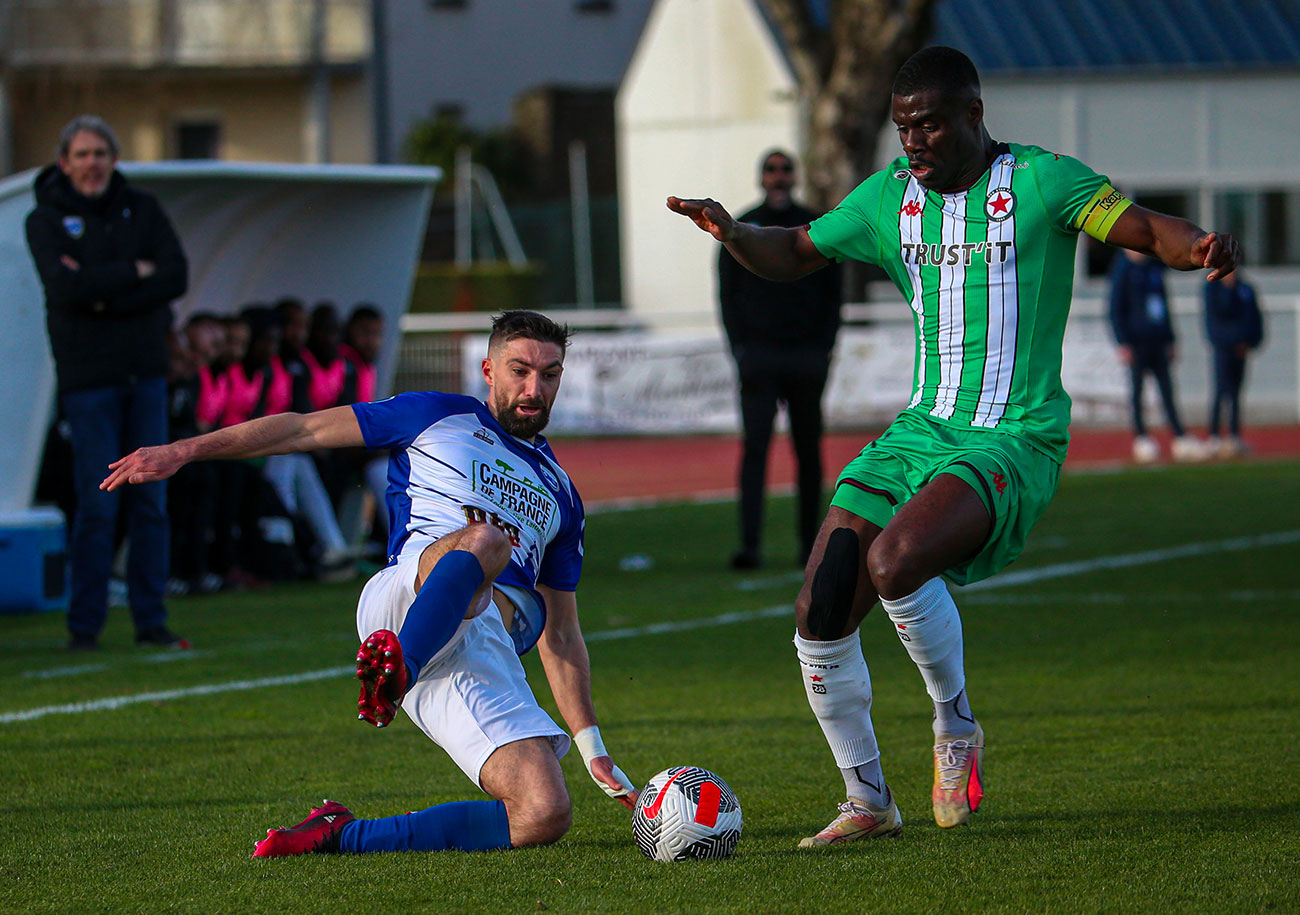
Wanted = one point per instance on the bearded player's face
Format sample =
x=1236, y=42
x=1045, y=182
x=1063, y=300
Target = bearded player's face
x=942, y=137
x=523, y=377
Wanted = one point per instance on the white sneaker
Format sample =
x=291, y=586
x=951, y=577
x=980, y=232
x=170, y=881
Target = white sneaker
x=858, y=820
x=1146, y=450
x=958, y=778
x=1189, y=448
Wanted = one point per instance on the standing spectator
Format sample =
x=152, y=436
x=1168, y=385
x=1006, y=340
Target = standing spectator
x=1139, y=317
x=1234, y=326
x=781, y=335
x=111, y=265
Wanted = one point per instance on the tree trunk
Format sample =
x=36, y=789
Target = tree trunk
x=845, y=73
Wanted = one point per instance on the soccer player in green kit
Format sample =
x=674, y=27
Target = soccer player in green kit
x=979, y=236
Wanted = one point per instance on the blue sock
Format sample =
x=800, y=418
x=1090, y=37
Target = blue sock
x=438, y=609
x=464, y=825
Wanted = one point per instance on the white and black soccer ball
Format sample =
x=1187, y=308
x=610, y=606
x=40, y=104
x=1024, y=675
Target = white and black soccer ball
x=686, y=812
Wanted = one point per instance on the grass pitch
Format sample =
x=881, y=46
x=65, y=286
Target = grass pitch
x=1141, y=719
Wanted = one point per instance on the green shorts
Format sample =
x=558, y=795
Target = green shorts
x=1014, y=480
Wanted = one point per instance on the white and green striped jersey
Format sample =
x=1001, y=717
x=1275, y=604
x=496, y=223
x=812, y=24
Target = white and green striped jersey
x=988, y=272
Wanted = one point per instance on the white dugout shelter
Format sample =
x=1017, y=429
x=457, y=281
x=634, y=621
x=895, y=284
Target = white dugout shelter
x=252, y=233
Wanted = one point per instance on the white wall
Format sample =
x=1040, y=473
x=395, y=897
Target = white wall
x=707, y=92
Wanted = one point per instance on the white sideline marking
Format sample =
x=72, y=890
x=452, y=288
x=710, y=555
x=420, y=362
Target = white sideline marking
x=722, y=619
x=1127, y=560
x=116, y=702
x=1059, y=570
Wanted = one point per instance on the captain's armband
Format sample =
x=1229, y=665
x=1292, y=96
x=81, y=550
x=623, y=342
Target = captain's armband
x=1099, y=214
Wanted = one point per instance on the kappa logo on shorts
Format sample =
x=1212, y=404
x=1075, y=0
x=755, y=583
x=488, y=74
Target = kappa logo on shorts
x=999, y=481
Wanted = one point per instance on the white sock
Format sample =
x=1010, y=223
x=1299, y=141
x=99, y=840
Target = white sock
x=838, y=685
x=929, y=626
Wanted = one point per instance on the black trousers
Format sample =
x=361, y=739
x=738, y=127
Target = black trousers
x=797, y=380
x=1229, y=373
x=1152, y=358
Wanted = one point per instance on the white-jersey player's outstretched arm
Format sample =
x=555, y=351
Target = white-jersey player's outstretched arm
x=282, y=433
x=568, y=670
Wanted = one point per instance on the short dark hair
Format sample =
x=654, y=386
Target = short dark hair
x=287, y=305
x=775, y=151
x=937, y=68
x=529, y=325
x=202, y=317
x=364, y=312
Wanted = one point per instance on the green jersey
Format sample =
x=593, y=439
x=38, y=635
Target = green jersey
x=988, y=271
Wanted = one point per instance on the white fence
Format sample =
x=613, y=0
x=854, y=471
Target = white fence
x=623, y=377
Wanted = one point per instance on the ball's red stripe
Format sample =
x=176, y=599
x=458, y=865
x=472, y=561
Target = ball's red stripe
x=706, y=814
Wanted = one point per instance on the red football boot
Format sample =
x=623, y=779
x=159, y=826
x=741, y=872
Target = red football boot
x=318, y=834
x=382, y=673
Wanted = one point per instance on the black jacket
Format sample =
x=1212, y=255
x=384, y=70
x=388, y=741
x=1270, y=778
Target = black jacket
x=760, y=314
x=107, y=326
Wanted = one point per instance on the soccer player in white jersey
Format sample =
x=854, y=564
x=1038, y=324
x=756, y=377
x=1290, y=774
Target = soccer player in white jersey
x=485, y=551
x=979, y=237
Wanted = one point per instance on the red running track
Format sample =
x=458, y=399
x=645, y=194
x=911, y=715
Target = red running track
x=608, y=469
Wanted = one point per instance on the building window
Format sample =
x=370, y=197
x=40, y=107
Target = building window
x=1266, y=223
x=198, y=140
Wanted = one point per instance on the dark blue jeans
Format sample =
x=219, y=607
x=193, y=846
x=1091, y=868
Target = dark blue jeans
x=1229, y=373
x=1153, y=358
x=107, y=423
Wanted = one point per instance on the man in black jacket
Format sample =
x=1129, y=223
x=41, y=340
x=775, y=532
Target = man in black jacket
x=111, y=265
x=781, y=335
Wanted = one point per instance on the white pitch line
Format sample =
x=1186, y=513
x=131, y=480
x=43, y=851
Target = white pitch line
x=722, y=619
x=1128, y=560
x=116, y=702
x=1026, y=576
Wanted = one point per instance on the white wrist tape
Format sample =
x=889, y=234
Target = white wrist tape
x=591, y=746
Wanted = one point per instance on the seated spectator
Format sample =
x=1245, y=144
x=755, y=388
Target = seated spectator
x=362, y=338
x=261, y=386
x=191, y=493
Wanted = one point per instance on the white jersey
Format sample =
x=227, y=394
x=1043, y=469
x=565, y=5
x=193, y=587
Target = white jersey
x=451, y=464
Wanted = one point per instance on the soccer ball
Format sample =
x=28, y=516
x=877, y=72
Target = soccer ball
x=686, y=812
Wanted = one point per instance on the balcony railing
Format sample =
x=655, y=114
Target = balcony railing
x=183, y=33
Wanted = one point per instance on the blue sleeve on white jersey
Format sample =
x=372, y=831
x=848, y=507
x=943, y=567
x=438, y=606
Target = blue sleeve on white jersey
x=562, y=561
x=399, y=420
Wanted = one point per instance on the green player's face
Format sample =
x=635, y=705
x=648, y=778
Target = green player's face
x=523, y=377
x=942, y=137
